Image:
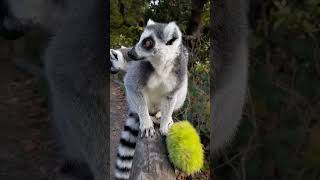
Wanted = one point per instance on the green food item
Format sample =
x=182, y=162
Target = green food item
x=184, y=147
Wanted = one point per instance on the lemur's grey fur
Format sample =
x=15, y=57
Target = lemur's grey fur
x=78, y=79
x=155, y=81
x=78, y=83
x=46, y=13
x=229, y=53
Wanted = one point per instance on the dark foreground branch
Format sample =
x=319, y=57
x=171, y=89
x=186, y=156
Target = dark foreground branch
x=151, y=160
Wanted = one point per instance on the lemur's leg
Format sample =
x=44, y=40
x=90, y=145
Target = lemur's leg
x=167, y=106
x=139, y=105
x=118, y=62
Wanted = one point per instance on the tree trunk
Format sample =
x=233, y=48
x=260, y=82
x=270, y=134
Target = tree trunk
x=195, y=19
x=151, y=160
x=194, y=25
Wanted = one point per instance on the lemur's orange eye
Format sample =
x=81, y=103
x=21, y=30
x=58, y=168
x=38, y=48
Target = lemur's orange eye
x=148, y=43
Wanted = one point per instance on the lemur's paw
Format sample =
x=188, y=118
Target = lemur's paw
x=156, y=118
x=165, y=125
x=147, y=129
x=117, y=61
x=158, y=115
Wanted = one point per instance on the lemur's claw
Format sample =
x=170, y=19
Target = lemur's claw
x=147, y=128
x=149, y=132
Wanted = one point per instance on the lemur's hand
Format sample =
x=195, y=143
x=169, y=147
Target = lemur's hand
x=146, y=127
x=165, y=124
x=156, y=119
x=117, y=61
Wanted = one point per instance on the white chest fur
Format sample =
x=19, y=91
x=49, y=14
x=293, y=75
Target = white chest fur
x=157, y=88
x=161, y=83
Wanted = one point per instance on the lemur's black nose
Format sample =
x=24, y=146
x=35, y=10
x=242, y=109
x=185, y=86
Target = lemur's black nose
x=133, y=54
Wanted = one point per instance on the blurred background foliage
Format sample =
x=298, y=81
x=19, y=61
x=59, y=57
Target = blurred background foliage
x=127, y=20
x=279, y=137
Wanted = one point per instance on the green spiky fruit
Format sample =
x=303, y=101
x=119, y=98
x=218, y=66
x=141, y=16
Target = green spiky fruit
x=184, y=147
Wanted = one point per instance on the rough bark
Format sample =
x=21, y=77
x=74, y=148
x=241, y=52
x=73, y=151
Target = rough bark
x=151, y=160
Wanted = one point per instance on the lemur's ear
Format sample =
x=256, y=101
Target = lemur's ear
x=172, y=33
x=123, y=46
x=150, y=22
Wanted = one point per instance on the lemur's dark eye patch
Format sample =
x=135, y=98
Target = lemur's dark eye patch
x=171, y=41
x=148, y=43
x=115, y=55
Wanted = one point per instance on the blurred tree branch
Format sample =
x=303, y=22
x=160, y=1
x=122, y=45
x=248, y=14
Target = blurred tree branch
x=195, y=27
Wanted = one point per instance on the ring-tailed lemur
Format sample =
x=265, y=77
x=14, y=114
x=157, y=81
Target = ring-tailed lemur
x=155, y=81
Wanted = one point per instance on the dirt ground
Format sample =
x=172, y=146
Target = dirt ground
x=28, y=149
x=118, y=113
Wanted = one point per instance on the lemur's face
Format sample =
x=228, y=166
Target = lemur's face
x=158, y=42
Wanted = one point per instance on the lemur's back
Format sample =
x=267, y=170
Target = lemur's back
x=77, y=76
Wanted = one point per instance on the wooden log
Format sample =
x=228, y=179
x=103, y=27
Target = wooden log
x=151, y=160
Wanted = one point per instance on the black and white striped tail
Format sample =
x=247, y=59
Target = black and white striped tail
x=127, y=146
